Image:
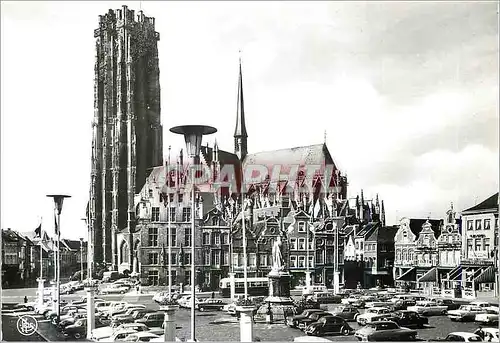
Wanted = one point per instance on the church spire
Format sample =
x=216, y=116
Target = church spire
x=240, y=131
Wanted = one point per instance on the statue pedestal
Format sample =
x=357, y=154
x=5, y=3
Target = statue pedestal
x=278, y=301
x=246, y=323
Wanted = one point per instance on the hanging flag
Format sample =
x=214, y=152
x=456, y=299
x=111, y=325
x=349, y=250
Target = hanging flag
x=38, y=231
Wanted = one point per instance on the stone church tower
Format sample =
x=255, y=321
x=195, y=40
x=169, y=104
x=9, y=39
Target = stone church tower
x=126, y=129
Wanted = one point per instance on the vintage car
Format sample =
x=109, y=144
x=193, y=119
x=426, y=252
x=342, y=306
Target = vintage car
x=490, y=334
x=107, y=333
x=115, y=289
x=385, y=331
x=459, y=337
x=210, y=305
x=329, y=325
x=372, y=314
x=123, y=309
x=354, y=301
x=142, y=336
x=70, y=320
x=79, y=328
x=118, y=335
x=407, y=319
x=347, y=312
x=449, y=303
x=466, y=313
x=326, y=298
x=313, y=317
x=488, y=318
x=428, y=308
x=293, y=322
x=403, y=304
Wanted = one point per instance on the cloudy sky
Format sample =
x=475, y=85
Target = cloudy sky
x=407, y=92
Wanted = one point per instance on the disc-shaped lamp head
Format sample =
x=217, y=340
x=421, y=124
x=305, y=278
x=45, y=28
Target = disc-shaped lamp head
x=193, y=135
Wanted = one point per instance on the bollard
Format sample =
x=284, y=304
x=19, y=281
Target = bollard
x=169, y=322
x=246, y=323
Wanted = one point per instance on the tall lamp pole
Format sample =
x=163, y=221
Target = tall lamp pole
x=81, y=259
x=193, y=135
x=58, y=204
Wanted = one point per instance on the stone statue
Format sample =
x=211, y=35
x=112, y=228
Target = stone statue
x=277, y=255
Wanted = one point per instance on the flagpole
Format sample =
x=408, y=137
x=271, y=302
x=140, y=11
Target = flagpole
x=245, y=272
x=169, y=233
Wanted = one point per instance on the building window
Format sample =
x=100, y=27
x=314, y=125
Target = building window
x=302, y=261
x=187, y=258
x=293, y=243
x=320, y=257
x=180, y=196
x=173, y=237
x=263, y=260
x=240, y=260
x=172, y=214
x=150, y=193
x=469, y=244
x=405, y=256
x=478, y=224
x=225, y=238
x=155, y=214
x=173, y=257
x=153, y=258
x=478, y=244
x=398, y=256
x=252, y=260
x=215, y=221
x=357, y=245
x=187, y=236
x=361, y=245
x=487, y=245
x=153, y=277
x=469, y=225
x=216, y=238
x=311, y=261
x=153, y=236
x=486, y=224
x=235, y=260
x=225, y=258
x=171, y=197
x=186, y=214
x=206, y=238
x=302, y=244
x=216, y=258
x=206, y=258
x=293, y=261
x=405, y=234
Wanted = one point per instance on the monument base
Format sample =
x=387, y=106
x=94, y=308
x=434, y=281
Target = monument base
x=278, y=305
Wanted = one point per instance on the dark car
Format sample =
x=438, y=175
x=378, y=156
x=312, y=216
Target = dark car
x=79, y=329
x=403, y=304
x=408, y=319
x=211, y=305
x=329, y=325
x=294, y=321
x=448, y=302
x=154, y=319
x=385, y=331
x=348, y=312
x=314, y=317
x=130, y=318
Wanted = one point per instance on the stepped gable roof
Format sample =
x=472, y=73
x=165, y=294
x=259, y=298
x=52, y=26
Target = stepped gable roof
x=383, y=234
x=416, y=226
x=489, y=204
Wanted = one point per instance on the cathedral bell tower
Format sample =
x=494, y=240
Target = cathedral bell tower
x=240, y=132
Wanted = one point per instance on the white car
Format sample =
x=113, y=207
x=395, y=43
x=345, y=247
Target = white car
x=480, y=304
x=466, y=313
x=463, y=337
x=185, y=301
x=142, y=336
x=490, y=317
x=118, y=335
x=371, y=314
x=428, y=308
x=371, y=304
x=115, y=289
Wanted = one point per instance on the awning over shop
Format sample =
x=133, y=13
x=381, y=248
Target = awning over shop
x=410, y=275
x=430, y=276
x=487, y=276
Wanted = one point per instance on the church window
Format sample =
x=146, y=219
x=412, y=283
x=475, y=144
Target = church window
x=155, y=214
x=124, y=252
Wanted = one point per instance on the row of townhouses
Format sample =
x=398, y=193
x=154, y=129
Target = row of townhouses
x=21, y=257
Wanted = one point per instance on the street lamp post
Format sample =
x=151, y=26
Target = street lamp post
x=90, y=286
x=81, y=259
x=58, y=204
x=193, y=135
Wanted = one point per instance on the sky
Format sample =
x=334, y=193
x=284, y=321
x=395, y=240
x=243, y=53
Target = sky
x=407, y=93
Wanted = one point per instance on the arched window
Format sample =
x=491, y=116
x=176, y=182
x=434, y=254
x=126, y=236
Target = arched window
x=124, y=252
x=398, y=255
x=405, y=255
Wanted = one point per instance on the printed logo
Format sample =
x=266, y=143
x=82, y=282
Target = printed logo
x=27, y=325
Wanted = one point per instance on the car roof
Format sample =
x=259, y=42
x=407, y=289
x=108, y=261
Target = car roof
x=145, y=334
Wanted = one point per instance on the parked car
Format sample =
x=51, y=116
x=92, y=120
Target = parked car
x=347, y=312
x=488, y=318
x=124, y=308
x=459, y=337
x=313, y=317
x=211, y=305
x=64, y=311
x=449, y=303
x=329, y=325
x=403, y=304
x=130, y=318
x=141, y=337
x=79, y=328
x=154, y=319
x=481, y=304
x=326, y=298
x=466, y=313
x=429, y=308
x=385, y=331
x=490, y=334
x=115, y=289
x=354, y=301
x=118, y=335
x=406, y=318
x=70, y=320
x=372, y=314
x=294, y=321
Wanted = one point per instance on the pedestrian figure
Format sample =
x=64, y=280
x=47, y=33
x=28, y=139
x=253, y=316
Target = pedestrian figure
x=25, y=299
